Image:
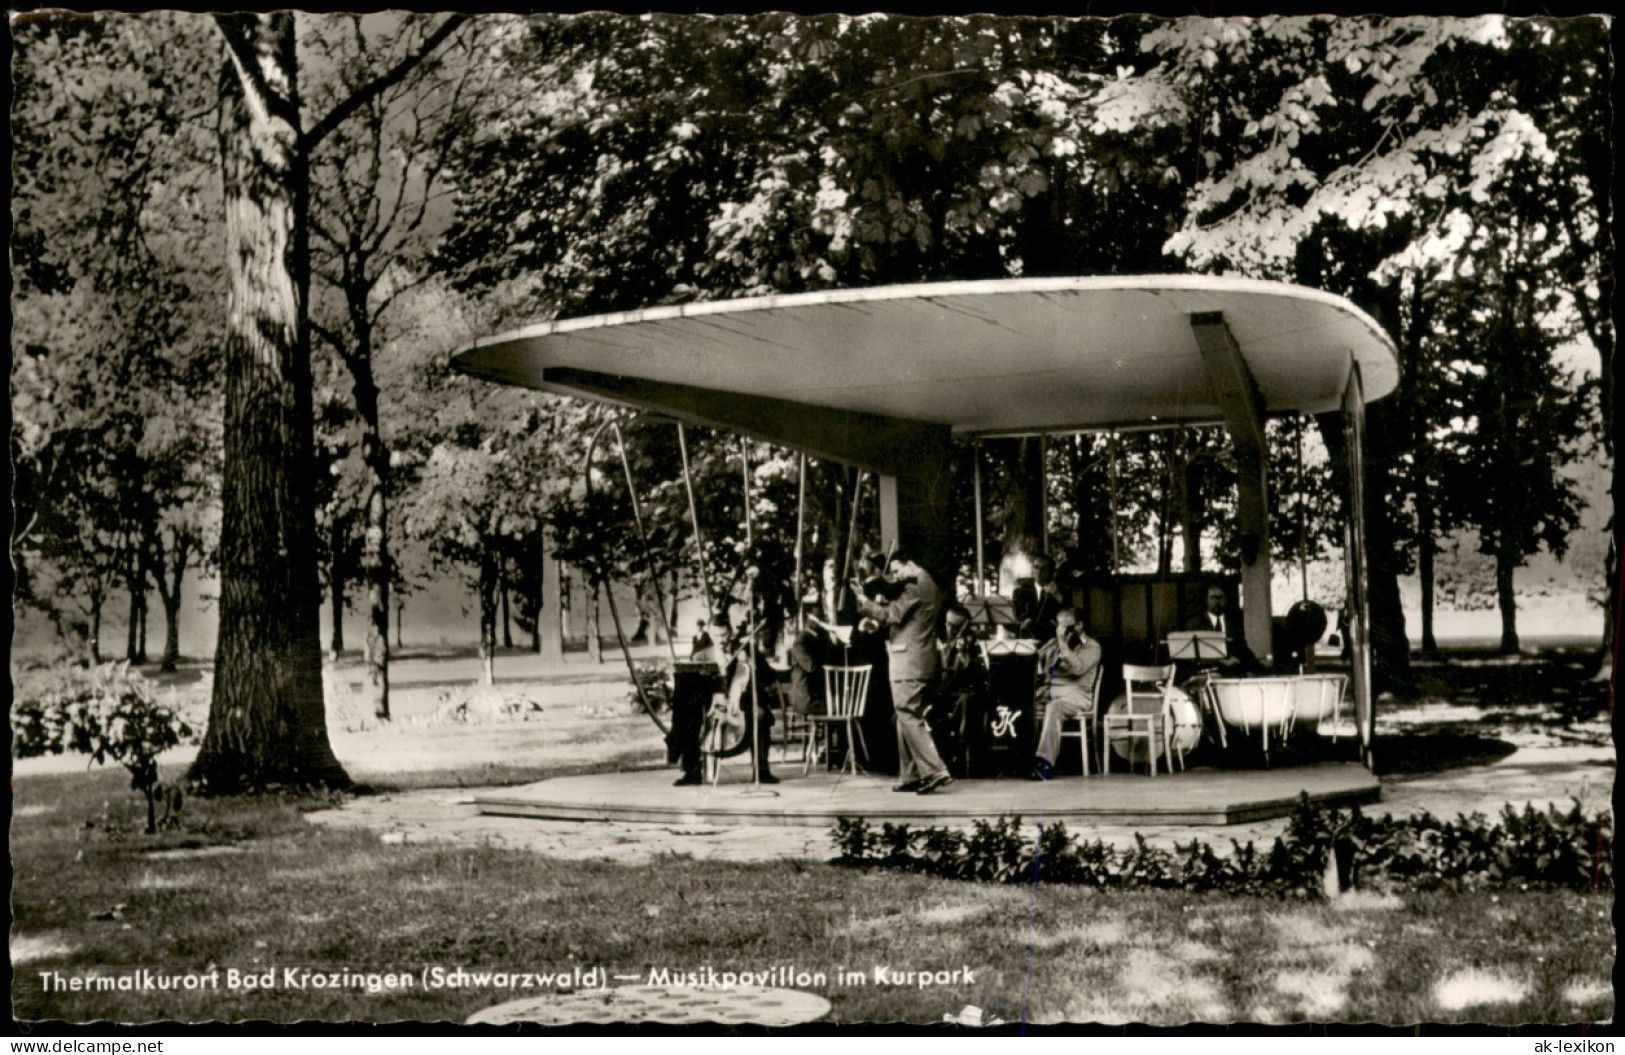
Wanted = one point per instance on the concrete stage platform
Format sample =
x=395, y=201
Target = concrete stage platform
x=1198, y=796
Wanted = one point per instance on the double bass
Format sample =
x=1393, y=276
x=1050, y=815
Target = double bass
x=730, y=722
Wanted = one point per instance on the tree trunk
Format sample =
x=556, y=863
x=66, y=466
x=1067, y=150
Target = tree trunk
x=400, y=621
x=172, y=635
x=267, y=718
x=507, y=614
x=171, y=575
x=1021, y=528
x=1091, y=501
x=335, y=588
x=550, y=613
x=375, y=459
x=1506, y=600
x=488, y=616
x=132, y=625
x=96, y=631
x=1425, y=550
x=595, y=646
x=1188, y=480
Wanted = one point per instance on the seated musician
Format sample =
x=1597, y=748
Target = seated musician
x=742, y=706
x=1068, y=668
x=809, y=649
x=1238, y=659
x=962, y=679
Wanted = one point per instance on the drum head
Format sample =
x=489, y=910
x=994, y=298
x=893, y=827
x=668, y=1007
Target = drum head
x=1187, y=726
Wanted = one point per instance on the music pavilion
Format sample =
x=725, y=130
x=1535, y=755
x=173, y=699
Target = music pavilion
x=890, y=379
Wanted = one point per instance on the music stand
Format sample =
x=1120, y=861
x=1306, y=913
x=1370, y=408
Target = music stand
x=1198, y=646
x=990, y=609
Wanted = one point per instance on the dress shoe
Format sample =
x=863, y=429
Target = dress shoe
x=767, y=778
x=934, y=782
x=908, y=785
x=1040, y=771
x=688, y=780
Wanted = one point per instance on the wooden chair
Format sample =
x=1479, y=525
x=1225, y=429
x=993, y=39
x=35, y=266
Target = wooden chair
x=846, y=689
x=1085, y=721
x=1147, y=716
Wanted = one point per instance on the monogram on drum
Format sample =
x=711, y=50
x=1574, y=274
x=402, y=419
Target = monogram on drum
x=1004, y=725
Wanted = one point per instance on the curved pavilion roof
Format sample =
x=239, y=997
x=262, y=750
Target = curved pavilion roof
x=995, y=357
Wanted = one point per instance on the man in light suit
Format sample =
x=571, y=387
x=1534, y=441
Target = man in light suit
x=1068, y=672
x=910, y=619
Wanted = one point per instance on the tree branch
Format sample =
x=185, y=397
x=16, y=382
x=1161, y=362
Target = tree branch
x=236, y=31
x=363, y=95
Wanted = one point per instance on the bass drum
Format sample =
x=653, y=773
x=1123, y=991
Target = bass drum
x=1187, y=725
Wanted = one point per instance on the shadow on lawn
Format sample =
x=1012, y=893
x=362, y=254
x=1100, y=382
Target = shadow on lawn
x=1414, y=751
x=1555, y=689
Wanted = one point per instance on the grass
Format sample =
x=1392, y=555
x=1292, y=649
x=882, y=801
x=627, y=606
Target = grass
x=248, y=884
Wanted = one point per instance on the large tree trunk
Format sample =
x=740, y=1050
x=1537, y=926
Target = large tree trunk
x=267, y=720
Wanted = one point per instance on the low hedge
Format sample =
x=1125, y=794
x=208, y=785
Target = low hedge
x=1322, y=851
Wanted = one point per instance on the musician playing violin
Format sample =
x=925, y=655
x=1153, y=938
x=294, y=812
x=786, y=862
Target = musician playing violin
x=911, y=622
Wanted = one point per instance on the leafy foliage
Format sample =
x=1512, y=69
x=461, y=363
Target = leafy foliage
x=1552, y=848
x=110, y=713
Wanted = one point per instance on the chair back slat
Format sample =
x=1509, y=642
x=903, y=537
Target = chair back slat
x=845, y=690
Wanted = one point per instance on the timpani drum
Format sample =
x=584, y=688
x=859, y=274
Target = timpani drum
x=1187, y=732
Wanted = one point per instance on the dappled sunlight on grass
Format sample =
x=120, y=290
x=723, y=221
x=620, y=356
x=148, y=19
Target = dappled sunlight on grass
x=1320, y=992
x=27, y=948
x=1587, y=993
x=1096, y=933
x=1475, y=988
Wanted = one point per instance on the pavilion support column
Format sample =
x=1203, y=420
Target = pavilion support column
x=1243, y=407
x=916, y=511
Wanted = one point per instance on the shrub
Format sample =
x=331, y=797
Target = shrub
x=654, y=679
x=109, y=713
x=1551, y=848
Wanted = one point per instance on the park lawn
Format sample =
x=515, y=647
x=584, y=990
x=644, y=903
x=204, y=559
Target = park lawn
x=248, y=884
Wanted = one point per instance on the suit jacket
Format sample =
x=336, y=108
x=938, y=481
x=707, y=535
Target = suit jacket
x=1235, y=640
x=911, y=621
x=1069, y=673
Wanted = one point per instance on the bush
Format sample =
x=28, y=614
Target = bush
x=109, y=713
x=1551, y=848
x=656, y=684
